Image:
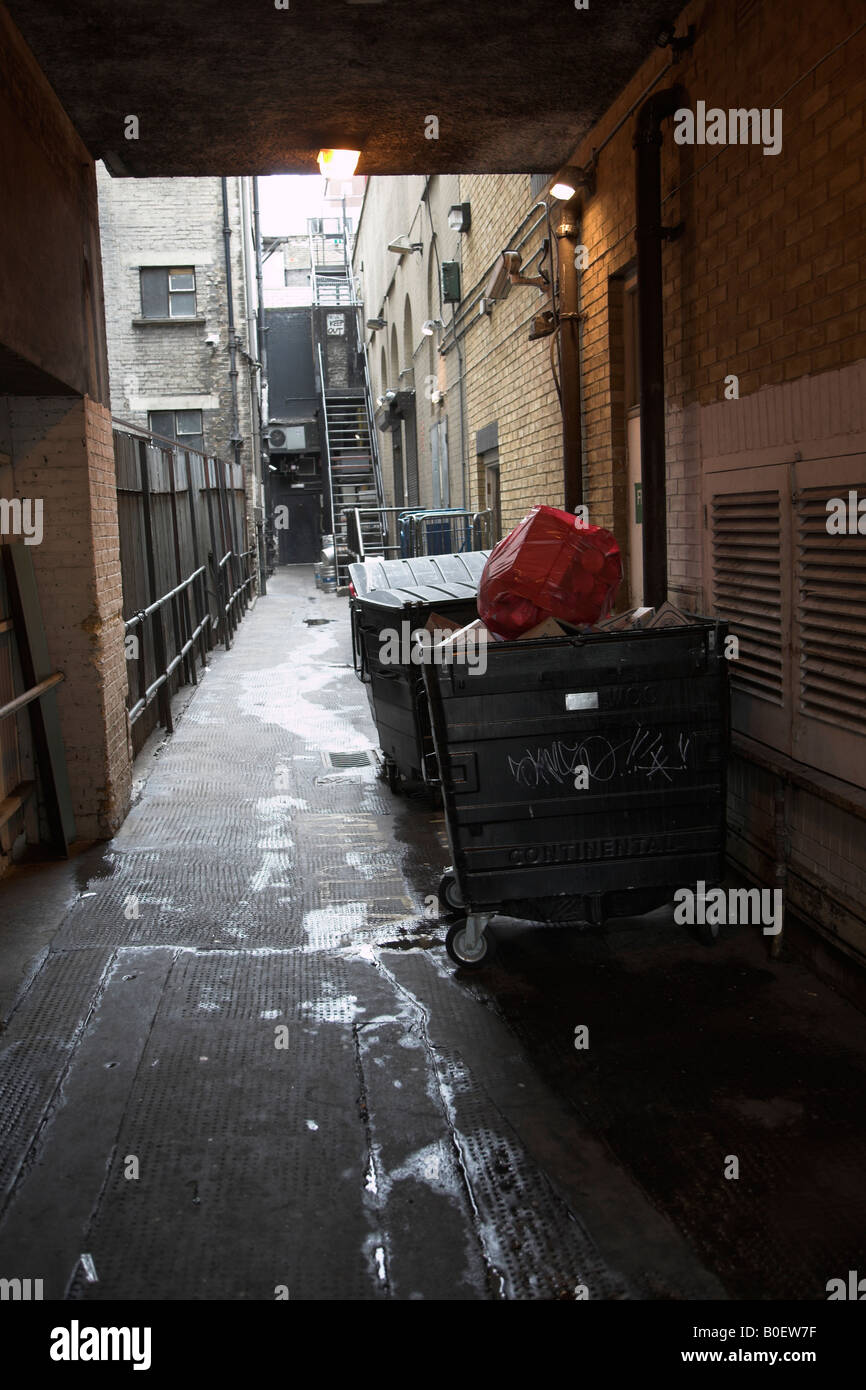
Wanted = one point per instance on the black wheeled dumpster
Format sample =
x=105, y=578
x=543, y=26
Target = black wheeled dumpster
x=385, y=596
x=583, y=777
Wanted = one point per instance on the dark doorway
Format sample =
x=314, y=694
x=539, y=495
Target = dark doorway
x=299, y=539
x=397, y=444
x=411, y=446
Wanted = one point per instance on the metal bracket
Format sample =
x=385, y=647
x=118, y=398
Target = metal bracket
x=678, y=46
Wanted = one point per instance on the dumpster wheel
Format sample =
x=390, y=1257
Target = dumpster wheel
x=459, y=945
x=450, y=897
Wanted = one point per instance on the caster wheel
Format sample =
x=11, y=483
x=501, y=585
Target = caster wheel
x=450, y=898
x=455, y=945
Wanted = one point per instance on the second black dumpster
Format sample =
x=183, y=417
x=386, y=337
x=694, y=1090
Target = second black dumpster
x=398, y=597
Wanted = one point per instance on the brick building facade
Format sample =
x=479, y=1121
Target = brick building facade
x=405, y=290
x=168, y=333
x=764, y=294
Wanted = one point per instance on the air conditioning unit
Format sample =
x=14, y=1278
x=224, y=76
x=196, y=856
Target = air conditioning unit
x=284, y=439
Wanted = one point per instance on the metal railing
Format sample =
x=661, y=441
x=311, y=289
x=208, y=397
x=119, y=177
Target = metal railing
x=436, y=532
x=448, y=532
x=179, y=510
x=184, y=638
x=371, y=415
x=232, y=589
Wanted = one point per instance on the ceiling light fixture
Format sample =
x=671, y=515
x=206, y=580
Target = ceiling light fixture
x=338, y=164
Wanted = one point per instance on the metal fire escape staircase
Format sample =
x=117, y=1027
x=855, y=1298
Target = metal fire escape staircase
x=351, y=443
x=329, y=262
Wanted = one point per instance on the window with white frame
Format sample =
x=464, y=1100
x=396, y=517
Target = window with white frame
x=183, y=425
x=167, y=292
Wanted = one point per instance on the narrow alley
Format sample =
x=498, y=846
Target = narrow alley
x=238, y=1064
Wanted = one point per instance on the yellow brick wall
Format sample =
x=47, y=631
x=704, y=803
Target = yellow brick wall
x=767, y=282
x=508, y=379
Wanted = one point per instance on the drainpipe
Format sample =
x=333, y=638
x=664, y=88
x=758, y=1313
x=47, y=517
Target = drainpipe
x=264, y=397
x=233, y=352
x=568, y=237
x=650, y=234
x=232, y=339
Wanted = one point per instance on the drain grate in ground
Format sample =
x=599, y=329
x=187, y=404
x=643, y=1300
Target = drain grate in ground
x=358, y=759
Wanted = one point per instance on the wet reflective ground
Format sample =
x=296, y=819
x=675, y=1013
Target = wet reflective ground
x=237, y=1059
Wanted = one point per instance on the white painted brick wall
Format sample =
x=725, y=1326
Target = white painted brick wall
x=179, y=222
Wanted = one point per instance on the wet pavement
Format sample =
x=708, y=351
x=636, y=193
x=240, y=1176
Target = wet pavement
x=237, y=1062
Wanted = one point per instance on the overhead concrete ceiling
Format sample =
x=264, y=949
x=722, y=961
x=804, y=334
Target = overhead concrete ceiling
x=242, y=87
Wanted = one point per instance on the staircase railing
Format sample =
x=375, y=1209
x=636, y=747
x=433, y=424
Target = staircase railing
x=327, y=438
x=371, y=419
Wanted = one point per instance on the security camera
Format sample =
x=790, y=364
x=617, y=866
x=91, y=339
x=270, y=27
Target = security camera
x=500, y=282
x=212, y=340
x=401, y=244
x=506, y=272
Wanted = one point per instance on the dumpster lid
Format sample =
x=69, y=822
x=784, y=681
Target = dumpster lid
x=423, y=579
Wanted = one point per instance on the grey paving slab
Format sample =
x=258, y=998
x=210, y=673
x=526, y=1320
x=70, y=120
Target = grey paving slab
x=417, y=1133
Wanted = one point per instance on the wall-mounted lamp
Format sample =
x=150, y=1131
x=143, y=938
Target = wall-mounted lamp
x=429, y=326
x=338, y=164
x=376, y=324
x=571, y=178
x=407, y=371
x=460, y=217
x=401, y=244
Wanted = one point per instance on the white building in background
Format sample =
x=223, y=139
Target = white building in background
x=184, y=357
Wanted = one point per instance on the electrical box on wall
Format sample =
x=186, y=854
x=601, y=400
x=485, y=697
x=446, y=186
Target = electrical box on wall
x=451, y=282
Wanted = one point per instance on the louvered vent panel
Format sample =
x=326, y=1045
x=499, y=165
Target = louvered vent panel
x=831, y=611
x=747, y=587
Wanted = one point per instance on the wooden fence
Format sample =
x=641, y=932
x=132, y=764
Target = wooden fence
x=187, y=571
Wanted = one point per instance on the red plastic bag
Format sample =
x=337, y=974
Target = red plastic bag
x=549, y=564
